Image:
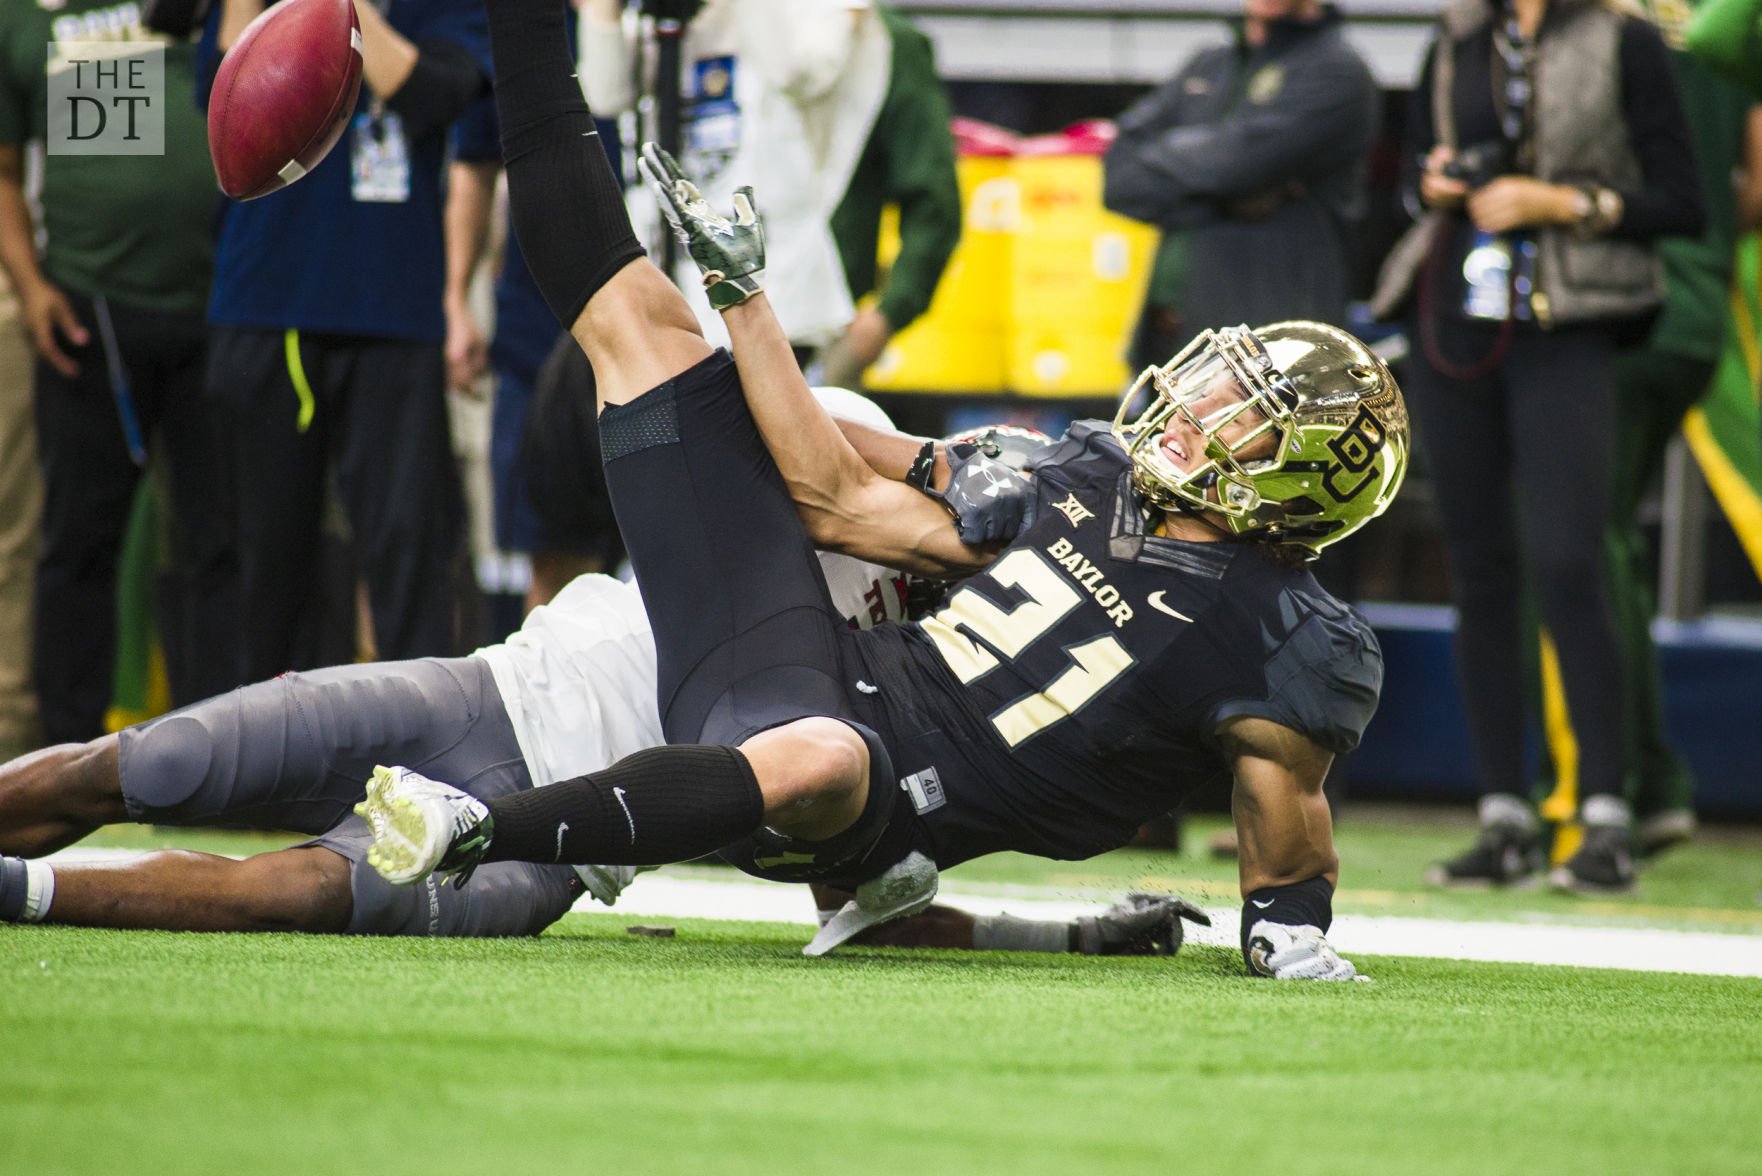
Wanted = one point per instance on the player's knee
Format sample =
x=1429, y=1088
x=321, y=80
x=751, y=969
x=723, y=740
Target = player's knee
x=163, y=763
x=301, y=889
x=816, y=762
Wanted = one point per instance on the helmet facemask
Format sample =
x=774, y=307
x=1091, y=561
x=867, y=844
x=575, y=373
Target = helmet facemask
x=1300, y=438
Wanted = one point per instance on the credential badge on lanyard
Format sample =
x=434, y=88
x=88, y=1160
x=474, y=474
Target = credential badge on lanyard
x=380, y=151
x=381, y=157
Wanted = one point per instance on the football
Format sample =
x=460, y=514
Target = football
x=283, y=95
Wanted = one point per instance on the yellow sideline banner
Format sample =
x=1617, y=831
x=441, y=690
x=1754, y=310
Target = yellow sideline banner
x=1043, y=291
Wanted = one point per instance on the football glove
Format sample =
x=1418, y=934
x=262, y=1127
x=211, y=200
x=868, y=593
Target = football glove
x=991, y=502
x=731, y=253
x=1143, y=924
x=1295, y=953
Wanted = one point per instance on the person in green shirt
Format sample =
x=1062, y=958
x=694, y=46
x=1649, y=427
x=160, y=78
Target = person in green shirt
x=908, y=161
x=113, y=280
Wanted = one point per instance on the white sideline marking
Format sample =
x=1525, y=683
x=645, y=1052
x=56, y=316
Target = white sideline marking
x=1639, y=949
x=1632, y=948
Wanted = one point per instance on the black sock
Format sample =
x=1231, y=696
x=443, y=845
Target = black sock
x=567, y=206
x=666, y=804
x=1308, y=902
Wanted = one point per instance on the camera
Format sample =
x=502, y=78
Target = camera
x=1479, y=164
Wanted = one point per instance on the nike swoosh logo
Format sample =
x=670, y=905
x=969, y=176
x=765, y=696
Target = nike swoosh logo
x=1157, y=604
x=1263, y=905
x=562, y=828
x=619, y=793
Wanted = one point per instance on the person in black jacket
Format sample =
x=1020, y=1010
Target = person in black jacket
x=1251, y=162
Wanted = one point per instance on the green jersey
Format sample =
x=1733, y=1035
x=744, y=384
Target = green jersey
x=138, y=228
x=1698, y=269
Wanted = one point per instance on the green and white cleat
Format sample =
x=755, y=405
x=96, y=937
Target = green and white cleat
x=907, y=887
x=421, y=826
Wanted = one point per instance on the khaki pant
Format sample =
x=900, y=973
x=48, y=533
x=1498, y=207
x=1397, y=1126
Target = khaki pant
x=21, y=501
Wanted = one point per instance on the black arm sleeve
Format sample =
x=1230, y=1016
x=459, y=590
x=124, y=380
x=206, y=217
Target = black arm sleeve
x=444, y=82
x=1670, y=201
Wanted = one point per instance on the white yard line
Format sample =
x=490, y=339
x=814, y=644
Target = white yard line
x=1636, y=949
x=669, y=895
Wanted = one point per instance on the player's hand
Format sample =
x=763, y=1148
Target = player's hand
x=49, y=319
x=1295, y=953
x=1143, y=924
x=1436, y=189
x=991, y=502
x=843, y=363
x=467, y=350
x=731, y=253
x=1517, y=202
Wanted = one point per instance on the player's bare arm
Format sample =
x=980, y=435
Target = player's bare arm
x=848, y=507
x=1288, y=864
x=1282, y=818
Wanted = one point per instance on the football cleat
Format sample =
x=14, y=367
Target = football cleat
x=421, y=827
x=1604, y=862
x=1506, y=853
x=606, y=883
x=907, y=887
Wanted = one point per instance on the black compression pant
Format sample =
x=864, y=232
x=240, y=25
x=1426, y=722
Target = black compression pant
x=1521, y=464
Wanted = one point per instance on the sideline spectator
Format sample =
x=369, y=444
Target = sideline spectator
x=1548, y=142
x=838, y=119
x=1655, y=386
x=21, y=509
x=328, y=340
x=525, y=334
x=113, y=307
x=1251, y=161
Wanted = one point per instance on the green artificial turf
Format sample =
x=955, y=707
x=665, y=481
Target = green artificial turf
x=724, y=1051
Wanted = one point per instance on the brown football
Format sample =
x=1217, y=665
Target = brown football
x=283, y=95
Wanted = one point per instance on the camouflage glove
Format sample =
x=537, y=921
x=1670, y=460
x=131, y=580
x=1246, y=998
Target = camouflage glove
x=1295, y=953
x=731, y=253
x=1144, y=924
x=991, y=502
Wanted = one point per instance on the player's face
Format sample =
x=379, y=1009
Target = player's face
x=1184, y=445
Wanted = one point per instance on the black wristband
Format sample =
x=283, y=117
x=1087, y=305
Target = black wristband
x=918, y=476
x=1308, y=902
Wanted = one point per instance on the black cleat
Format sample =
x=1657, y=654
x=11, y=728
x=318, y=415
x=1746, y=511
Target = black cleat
x=1604, y=863
x=1507, y=852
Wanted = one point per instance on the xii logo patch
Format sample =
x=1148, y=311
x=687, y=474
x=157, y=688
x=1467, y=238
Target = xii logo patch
x=1073, y=510
x=1355, y=452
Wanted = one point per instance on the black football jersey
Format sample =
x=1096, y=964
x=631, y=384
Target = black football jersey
x=1074, y=689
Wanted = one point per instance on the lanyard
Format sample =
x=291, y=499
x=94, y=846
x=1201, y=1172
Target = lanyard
x=1517, y=52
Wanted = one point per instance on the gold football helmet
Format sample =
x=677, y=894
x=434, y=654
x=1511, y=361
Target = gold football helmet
x=1297, y=430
